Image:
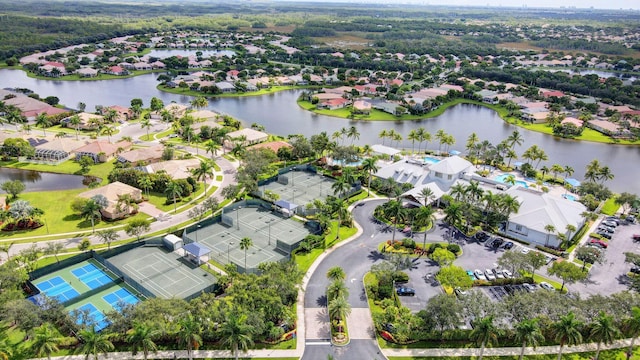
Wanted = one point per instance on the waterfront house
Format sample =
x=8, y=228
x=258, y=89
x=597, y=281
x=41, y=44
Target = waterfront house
x=102, y=151
x=112, y=192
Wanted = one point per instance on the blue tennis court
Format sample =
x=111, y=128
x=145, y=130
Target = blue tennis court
x=92, y=276
x=94, y=316
x=121, y=295
x=57, y=288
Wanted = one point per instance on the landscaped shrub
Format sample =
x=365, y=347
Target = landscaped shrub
x=433, y=248
x=555, y=252
x=401, y=277
x=385, y=291
x=454, y=248
x=408, y=243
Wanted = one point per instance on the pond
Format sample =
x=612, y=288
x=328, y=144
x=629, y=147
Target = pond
x=42, y=181
x=163, y=54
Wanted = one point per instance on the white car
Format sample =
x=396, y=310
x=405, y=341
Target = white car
x=525, y=250
x=507, y=274
x=489, y=274
x=479, y=274
x=546, y=286
x=499, y=274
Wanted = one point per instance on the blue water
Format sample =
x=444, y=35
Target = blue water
x=502, y=178
x=342, y=163
x=569, y=197
x=430, y=160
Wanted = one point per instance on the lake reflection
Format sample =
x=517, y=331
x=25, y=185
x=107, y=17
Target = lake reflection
x=42, y=181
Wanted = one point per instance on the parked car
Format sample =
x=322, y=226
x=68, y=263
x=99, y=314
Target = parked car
x=630, y=219
x=607, y=229
x=609, y=223
x=636, y=237
x=635, y=270
x=545, y=285
x=499, y=274
x=471, y=275
x=405, y=291
x=481, y=236
x=604, y=234
x=530, y=287
x=599, y=243
x=614, y=219
x=550, y=259
x=507, y=274
x=479, y=274
x=525, y=250
x=496, y=243
x=508, y=245
x=459, y=292
x=489, y=274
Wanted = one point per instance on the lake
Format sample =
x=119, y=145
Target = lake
x=42, y=181
x=280, y=115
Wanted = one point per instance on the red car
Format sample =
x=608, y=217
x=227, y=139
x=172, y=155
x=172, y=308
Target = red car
x=636, y=237
x=599, y=243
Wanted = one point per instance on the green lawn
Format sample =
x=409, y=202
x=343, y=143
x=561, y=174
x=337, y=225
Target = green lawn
x=76, y=77
x=189, y=92
x=610, y=207
x=304, y=261
x=618, y=354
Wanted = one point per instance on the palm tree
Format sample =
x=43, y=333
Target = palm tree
x=337, y=289
x=146, y=124
x=109, y=130
x=566, y=331
x=515, y=139
x=528, y=333
x=211, y=147
x=145, y=183
x=200, y=102
x=94, y=343
x=204, y=170
x=45, y=340
x=570, y=229
x=369, y=165
x=511, y=154
x=174, y=190
x=568, y=170
x=413, y=136
x=605, y=174
x=549, y=229
x=353, y=134
x=108, y=236
x=43, y=121
x=91, y=211
x=485, y=333
x=395, y=211
x=556, y=169
x=427, y=195
x=425, y=217
x=341, y=186
x=423, y=136
x=603, y=330
x=140, y=337
x=632, y=326
x=245, y=244
x=440, y=136
x=336, y=273
x=453, y=214
x=75, y=121
x=593, y=170
x=339, y=308
x=236, y=333
x=472, y=140
x=189, y=333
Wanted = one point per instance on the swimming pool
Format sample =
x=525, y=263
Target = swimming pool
x=503, y=179
x=342, y=163
x=569, y=197
x=430, y=160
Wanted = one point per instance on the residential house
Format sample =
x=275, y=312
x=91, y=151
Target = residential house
x=226, y=87
x=56, y=149
x=604, y=126
x=29, y=107
x=537, y=211
x=176, y=169
x=361, y=107
x=144, y=155
x=249, y=135
x=102, y=151
x=333, y=104
x=271, y=145
x=87, y=72
x=571, y=120
x=112, y=192
x=88, y=121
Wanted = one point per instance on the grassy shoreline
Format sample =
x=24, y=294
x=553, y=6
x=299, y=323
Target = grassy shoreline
x=267, y=91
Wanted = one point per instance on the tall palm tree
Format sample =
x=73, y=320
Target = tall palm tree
x=94, y=343
x=440, y=136
x=528, y=333
x=605, y=174
x=571, y=229
x=109, y=130
x=369, y=165
x=204, y=170
x=174, y=190
x=91, y=211
x=631, y=325
x=199, y=102
x=413, y=136
x=189, y=333
x=235, y=332
x=336, y=273
x=146, y=124
x=472, y=140
x=211, y=147
x=568, y=171
x=426, y=194
x=45, y=340
x=341, y=186
x=353, y=133
x=423, y=136
x=75, y=121
x=511, y=154
x=515, y=139
x=425, y=217
x=549, y=229
x=43, y=121
x=140, y=337
x=245, y=244
x=395, y=211
x=566, y=331
x=592, y=170
x=145, y=183
x=603, y=330
x=454, y=214
x=485, y=333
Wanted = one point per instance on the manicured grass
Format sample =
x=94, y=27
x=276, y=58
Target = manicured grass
x=266, y=91
x=76, y=77
x=587, y=134
x=68, y=167
x=304, y=261
x=610, y=207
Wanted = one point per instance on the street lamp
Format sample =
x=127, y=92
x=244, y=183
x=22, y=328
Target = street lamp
x=228, y=249
x=197, y=229
x=238, y=217
x=269, y=223
x=292, y=177
x=294, y=196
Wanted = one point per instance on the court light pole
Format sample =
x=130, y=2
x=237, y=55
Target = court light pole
x=197, y=228
x=238, y=217
x=269, y=223
x=228, y=249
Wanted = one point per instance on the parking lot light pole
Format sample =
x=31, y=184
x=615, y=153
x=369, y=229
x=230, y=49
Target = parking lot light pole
x=238, y=217
x=269, y=223
x=228, y=249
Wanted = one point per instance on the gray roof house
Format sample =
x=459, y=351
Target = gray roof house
x=537, y=210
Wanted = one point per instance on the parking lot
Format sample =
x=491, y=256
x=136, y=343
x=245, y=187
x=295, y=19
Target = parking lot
x=421, y=279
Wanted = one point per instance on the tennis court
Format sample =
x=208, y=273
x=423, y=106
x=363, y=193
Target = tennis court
x=164, y=274
x=91, y=315
x=120, y=296
x=301, y=187
x=273, y=237
x=56, y=287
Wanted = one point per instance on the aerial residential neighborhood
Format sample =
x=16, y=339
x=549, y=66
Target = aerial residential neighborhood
x=318, y=181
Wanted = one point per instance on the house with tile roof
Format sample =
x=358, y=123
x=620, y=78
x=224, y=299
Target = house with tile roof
x=101, y=151
x=112, y=192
